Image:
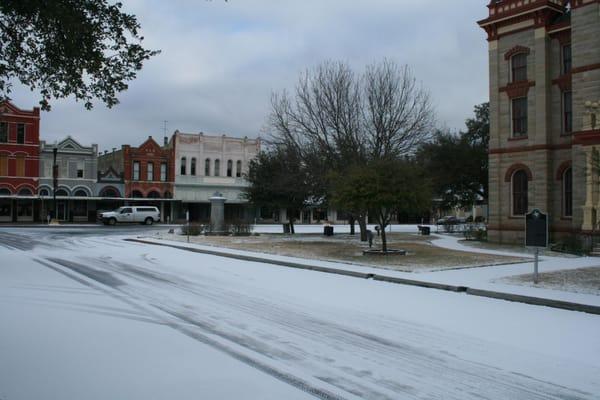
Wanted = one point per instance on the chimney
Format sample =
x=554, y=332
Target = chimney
x=114, y=149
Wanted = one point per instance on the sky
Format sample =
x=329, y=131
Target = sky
x=221, y=61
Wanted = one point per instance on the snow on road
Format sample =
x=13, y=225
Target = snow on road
x=348, y=337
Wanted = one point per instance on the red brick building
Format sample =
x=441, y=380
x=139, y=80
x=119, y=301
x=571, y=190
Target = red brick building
x=148, y=172
x=19, y=161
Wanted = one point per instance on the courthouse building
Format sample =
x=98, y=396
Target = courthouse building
x=544, y=70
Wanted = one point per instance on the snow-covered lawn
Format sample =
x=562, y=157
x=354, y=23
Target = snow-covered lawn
x=87, y=316
x=579, y=280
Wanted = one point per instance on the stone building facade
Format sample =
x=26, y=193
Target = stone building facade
x=544, y=69
x=207, y=164
x=19, y=162
x=76, y=186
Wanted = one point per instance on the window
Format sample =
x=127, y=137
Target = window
x=136, y=170
x=80, y=172
x=567, y=112
x=163, y=172
x=3, y=165
x=150, y=172
x=62, y=192
x=20, y=133
x=20, y=165
x=25, y=192
x=193, y=167
x=229, y=168
x=154, y=195
x=3, y=132
x=519, y=67
x=519, y=192
x=80, y=193
x=44, y=192
x=519, y=117
x=238, y=169
x=207, y=167
x=183, y=165
x=217, y=167
x=568, y=193
x=137, y=194
x=566, y=59
x=126, y=210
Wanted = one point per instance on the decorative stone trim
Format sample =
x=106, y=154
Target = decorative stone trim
x=516, y=167
x=516, y=50
x=564, y=82
x=517, y=89
x=561, y=169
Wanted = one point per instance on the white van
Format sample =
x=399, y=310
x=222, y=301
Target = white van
x=140, y=214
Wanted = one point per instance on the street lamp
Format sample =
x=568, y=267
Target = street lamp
x=54, y=184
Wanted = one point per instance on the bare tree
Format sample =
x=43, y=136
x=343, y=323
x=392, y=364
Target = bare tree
x=336, y=120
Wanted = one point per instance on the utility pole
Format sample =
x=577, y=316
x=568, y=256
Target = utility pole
x=165, y=132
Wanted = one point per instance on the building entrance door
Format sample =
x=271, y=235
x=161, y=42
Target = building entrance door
x=61, y=210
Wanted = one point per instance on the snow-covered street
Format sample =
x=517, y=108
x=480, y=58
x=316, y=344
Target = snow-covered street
x=84, y=314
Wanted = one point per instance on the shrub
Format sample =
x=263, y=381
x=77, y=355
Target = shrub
x=474, y=233
x=569, y=244
x=479, y=219
x=192, y=229
x=240, y=228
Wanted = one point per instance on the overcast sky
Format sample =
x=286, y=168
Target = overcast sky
x=221, y=61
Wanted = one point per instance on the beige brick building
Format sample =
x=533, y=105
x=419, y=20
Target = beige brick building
x=544, y=68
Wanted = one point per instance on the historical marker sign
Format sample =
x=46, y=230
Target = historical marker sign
x=536, y=229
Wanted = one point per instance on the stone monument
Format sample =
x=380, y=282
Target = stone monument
x=217, y=213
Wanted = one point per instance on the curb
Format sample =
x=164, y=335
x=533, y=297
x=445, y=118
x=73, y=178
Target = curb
x=531, y=300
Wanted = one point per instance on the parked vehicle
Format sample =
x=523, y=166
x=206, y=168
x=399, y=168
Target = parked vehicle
x=140, y=214
x=450, y=220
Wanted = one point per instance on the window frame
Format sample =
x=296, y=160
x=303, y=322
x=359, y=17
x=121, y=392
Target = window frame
x=163, y=172
x=135, y=173
x=4, y=136
x=150, y=171
x=567, y=193
x=238, y=169
x=519, y=121
x=207, y=167
x=182, y=166
x=20, y=133
x=193, y=166
x=518, y=71
x=217, y=171
x=230, y=168
x=567, y=114
x=566, y=59
x=521, y=196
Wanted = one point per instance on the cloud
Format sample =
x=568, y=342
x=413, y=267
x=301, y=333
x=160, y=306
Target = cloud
x=221, y=61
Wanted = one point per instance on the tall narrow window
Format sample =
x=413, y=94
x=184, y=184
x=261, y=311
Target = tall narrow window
x=3, y=165
x=238, y=168
x=229, y=168
x=182, y=167
x=163, y=172
x=193, y=167
x=519, y=192
x=3, y=132
x=136, y=170
x=20, y=165
x=21, y=133
x=217, y=171
x=519, y=67
x=568, y=193
x=150, y=172
x=566, y=59
x=567, y=112
x=207, y=167
x=519, y=117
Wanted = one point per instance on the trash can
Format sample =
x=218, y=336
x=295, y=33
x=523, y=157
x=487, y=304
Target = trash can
x=328, y=230
x=286, y=228
x=425, y=230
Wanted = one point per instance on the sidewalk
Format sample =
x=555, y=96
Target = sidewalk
x=482, y=281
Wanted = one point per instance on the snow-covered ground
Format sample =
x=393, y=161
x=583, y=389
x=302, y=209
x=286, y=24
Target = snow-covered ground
x=86, y=315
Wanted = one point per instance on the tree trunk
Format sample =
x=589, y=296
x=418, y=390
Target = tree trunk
x=351, y=222
x=383, y=237
x=292, y=229
x=362, y=223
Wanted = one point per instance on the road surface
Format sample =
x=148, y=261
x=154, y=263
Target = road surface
x=304, y=333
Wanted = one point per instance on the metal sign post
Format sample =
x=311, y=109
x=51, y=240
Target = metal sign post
x=536, y=235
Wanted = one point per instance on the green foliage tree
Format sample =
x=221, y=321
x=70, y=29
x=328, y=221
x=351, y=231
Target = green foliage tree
x=278, y=179
x=458, y=163
x=85, y=48
x=383, y=186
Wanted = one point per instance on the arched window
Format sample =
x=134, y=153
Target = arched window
x=44, y=192
x=568, y=193
x=4, y=192
x=238, y=169
x=109, y=192
x=519, y=192
x=193, y=167
x=518, y=64
x=182, y=168
x=154, y=195
x=62, y=192
x=229, y=168
x=207, y=167
x=80, y=193
x=217, y=167
x=25, y=192
x=137, y=194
